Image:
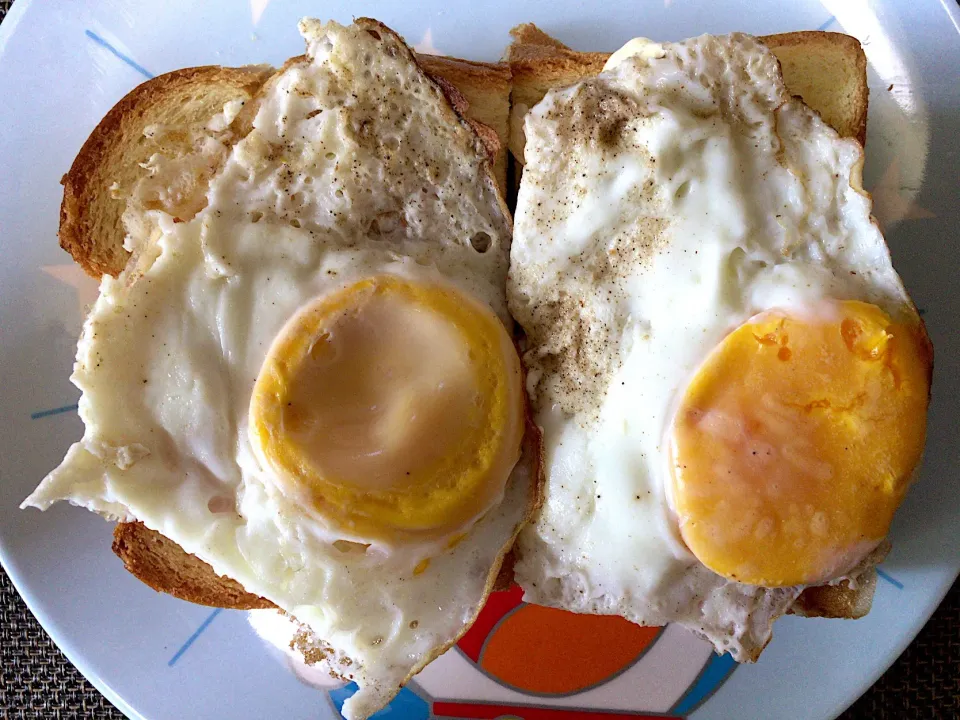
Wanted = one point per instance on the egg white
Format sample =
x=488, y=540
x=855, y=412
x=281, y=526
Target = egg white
x=663, y=203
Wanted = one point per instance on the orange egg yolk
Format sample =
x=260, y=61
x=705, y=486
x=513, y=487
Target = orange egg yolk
x=395, y=407
x=796, y=440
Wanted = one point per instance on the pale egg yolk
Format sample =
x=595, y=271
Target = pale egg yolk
x=795, y=442
x=394, y=406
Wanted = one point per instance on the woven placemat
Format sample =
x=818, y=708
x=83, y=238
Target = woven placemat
x=37, y=682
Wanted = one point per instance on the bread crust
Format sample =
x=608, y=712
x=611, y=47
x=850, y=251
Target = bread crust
x=160, y=563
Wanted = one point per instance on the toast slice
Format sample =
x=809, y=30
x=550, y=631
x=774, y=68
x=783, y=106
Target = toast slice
x=165, y=123
x=827, y=70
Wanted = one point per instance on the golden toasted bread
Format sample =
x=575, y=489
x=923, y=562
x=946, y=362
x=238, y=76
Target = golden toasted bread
x=168, y=116
x=166, y=567
x=110, y=161
x=828, y=70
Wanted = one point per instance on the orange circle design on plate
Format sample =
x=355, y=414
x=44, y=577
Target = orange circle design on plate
x=551, y=651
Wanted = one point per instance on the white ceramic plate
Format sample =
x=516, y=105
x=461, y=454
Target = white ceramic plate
x=63, y=65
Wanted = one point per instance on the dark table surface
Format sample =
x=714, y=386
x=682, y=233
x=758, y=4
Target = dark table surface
x=38, y=682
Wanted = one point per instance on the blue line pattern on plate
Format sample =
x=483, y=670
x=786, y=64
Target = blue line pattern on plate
x=713, y=675
x=827, y=24
x=129, y=61
x=193, y=638
x=890, y=579
x=53, y=411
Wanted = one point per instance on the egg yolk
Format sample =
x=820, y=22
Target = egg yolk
x=795, y=442
x=394, y=407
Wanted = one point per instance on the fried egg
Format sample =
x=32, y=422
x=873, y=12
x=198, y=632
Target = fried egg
x=310, y=385
x=731, y=379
